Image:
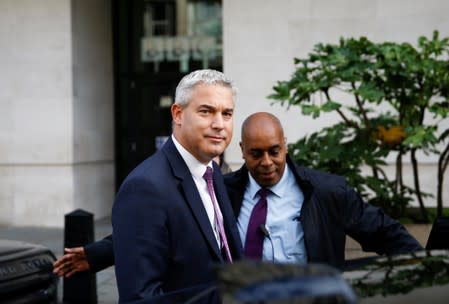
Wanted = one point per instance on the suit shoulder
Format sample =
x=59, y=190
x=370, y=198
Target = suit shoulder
x=315, y=176
x=235, y=176
x=154, y=169
x=229, y=176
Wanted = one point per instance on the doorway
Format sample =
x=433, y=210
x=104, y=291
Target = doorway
x=156, y=43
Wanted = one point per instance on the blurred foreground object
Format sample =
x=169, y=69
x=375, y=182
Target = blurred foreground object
x=405, y=278
x=26, y=273
x=259, y=282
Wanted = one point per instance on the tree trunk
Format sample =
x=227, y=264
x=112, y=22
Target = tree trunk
x=443, y=161
x=417, y=185
x=399, y=185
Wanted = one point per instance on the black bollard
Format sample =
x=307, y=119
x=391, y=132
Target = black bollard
x=79, y=231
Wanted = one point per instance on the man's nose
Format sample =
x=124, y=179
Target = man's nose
x=217, y=122
x=266, y=159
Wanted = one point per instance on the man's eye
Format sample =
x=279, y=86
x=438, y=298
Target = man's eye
x=227, y=114
x=274, y=152
x=204, y=111
x=256, y=154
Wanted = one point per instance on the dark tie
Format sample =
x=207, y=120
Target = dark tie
x=254, y=235
x=208, y=176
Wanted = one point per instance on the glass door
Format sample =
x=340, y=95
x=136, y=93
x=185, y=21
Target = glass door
x=156, y=43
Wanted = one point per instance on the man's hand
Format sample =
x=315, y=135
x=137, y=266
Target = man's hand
x=74, y=260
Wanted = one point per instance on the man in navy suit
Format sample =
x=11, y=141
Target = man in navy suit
x=98, y=255
x=167, y=233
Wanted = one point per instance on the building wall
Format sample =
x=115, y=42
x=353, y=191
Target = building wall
x=46, y=95
x=261, y=40
x=56, y=95
x=93, y=106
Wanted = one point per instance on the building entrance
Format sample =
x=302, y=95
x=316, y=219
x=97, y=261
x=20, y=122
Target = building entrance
x=156, y=43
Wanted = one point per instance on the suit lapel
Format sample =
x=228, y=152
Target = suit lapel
x=192, y=196
x=196, y=205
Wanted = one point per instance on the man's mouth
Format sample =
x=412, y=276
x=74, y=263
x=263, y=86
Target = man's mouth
x=216, y=138
x=267, y=174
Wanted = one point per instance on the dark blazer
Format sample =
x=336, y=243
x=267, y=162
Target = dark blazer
x=331, y=210
x=162, y=237
x=100, y=254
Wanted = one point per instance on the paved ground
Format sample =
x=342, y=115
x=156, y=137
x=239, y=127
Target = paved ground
x=53, y=238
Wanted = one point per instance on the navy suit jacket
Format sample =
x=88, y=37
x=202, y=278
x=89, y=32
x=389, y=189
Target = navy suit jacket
x=332, y=210
x=100, y=254
x=164, y=246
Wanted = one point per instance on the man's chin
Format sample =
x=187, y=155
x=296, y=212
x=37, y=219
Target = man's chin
x=266, y=181
x=217, y=150
x=213, y=154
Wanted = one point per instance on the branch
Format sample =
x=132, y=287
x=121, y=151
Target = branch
x=343, y=116
x=444, y=158
x=382, y=172
x=360, y=106
x=417, y=184
x=443, y=161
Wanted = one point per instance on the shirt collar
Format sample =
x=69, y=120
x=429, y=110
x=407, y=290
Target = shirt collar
x=279, y=189
x=196, y=167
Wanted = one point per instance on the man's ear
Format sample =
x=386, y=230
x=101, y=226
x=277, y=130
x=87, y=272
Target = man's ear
x=176, y=111
x=241, y=148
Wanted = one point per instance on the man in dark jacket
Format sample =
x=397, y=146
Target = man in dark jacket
x=306, y=214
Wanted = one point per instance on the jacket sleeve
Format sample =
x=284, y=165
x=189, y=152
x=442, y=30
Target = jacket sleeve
x=374, y=229
x=140, y=241
x=100, y=254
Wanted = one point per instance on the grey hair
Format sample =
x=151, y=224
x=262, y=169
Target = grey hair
x=210, y=77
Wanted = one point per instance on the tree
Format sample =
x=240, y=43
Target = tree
x=391, y=99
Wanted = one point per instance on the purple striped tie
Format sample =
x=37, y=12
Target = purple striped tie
x=208, y=176
x=254, y=236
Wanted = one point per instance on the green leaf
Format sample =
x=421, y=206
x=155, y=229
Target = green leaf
x=330, y=106
x=311, y=110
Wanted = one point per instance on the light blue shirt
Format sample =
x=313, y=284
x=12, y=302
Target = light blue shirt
x=286, y=241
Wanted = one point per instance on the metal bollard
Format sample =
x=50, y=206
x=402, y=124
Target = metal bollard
x=79, y=231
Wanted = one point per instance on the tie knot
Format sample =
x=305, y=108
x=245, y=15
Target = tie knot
x=208, y=174
x=263, y=192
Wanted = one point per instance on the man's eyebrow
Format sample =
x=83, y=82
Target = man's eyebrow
x=267, y=149
x=207, y=106
x=210, y=107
